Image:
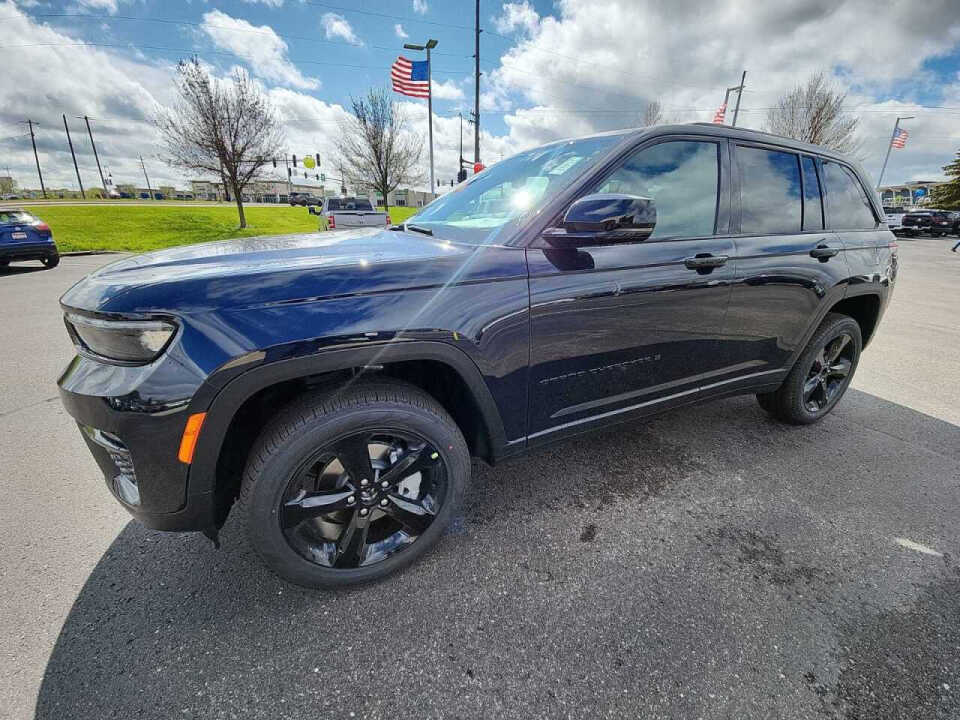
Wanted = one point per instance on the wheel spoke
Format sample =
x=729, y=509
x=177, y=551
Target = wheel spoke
x=309, y=505
x=354, y=454
x=809, y=386
x=821, y=359
x=824, y=392
x=840, y=368
x=836, y=347
x=413, y=515
x=413, y=462
x=352, y=543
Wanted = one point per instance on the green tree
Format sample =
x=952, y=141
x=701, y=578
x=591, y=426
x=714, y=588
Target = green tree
x=947, y=196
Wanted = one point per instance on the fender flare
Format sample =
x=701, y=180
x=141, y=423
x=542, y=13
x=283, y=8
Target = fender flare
x=225, y=404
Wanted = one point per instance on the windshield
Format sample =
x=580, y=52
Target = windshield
x=476, y=211
x=15, y=217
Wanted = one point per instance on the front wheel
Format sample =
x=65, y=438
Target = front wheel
x=348, y=486
x=820, y=376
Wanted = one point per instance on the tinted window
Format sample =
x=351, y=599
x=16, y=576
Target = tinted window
x=15, y=216
x=847, y=203
x=682, y=178
x=769, y=191
x=812, y=205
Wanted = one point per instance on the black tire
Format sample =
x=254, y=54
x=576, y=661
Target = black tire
x=50, y=261
x=303, y=431
x=4, y=263
x=793, y=402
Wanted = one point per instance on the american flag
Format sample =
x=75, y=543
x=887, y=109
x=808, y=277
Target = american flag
x=899, y=138
x=720, y=114
x=410, y=78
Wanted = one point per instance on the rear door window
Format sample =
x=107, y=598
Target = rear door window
x=769, y=191
x=812, y=202
x=847, y=205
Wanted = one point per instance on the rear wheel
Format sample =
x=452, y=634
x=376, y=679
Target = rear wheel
x=50, y=261
x=349, y=486
x=820, y=376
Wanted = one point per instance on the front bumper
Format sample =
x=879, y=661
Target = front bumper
x=27, y=251
x=134, y=438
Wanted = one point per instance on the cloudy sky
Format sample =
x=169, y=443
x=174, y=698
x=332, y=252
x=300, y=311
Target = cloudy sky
x=550, y=70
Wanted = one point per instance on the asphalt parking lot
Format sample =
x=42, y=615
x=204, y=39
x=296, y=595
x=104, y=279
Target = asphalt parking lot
x=709, y=563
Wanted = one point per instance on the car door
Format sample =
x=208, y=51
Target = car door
x=854, y=220
x=630, y=327
x=788, y=264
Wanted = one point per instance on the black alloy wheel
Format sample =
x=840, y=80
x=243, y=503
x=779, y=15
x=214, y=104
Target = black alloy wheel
x=363, y=498
x=828, y=373
x=349, y=484
x=820, y=376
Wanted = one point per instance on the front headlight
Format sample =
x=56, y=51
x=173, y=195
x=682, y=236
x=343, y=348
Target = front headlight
x=124, y=341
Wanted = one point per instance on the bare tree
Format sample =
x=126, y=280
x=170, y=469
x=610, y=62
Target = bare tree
x=813, y=112
x=220, y=127
x=653, y=115
x=378, y=150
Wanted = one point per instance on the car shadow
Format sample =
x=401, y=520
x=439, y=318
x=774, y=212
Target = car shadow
x=565, y=584
x=20, y=269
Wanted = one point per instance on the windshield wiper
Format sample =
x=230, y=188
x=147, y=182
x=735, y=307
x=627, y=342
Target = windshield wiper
x=419, y=229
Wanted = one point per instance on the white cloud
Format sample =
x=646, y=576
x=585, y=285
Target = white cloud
x=447, y=90
x=263, y=50
x=109, y=6
x=420, y=6
x=517, y=15
x=268, y=3
x=588, y=58
x=400, y=32
x=337, y=26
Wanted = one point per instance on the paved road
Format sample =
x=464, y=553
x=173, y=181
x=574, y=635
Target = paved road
x=706, y=564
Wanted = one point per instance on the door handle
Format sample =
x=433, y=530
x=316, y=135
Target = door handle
x=705, y=261
x=822, y=252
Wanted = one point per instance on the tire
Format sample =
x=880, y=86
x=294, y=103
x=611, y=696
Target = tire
x=790, y=403
x=289, y=475
x=51, y=261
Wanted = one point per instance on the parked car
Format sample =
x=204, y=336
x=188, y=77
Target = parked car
x=935, y=222
x=305, y=199
x=351, y=212
x=24, y=236
x=331, y=390
x=894, y=217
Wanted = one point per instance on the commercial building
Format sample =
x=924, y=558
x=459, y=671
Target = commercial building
x=916, y=193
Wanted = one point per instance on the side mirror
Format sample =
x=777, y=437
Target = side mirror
x=604, y=219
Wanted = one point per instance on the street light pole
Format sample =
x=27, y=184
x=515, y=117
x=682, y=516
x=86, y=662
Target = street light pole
x=896, y=126
x=430, y=44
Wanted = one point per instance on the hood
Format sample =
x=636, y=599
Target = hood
x=264, y=270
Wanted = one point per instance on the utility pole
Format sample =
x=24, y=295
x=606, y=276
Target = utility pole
x=893, y=135
x=75, y=167
x=36, y=157
x=95, y=156
x=476, y=87
x=144, y=168
x=736, y=110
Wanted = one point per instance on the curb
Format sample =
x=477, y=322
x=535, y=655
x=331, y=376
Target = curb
x=78, y=253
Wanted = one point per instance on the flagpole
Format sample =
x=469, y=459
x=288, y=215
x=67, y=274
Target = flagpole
x=896, y=126
x=433, y=186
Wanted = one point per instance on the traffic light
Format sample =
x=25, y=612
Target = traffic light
x=274, y=162
x=294, y=160
x=318, y=176
x=323, y=177
x=289, y=172
x=462, y=175
x=304, y=175
x=317, y=156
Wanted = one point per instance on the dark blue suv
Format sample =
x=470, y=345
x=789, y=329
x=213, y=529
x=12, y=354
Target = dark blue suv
x=25, y=237
x=331, y=390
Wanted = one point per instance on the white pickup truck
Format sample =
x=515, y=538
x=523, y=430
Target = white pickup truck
x=347, y=212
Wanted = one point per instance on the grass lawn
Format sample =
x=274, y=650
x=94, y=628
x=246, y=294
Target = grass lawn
x=138, y=228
